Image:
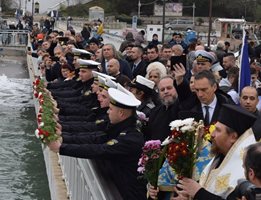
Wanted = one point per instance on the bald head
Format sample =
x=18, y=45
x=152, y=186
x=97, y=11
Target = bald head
x=113, y=67
x=249, y=98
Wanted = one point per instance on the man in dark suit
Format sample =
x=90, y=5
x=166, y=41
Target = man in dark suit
x=206, y=101
x=108, y=52
x=138, y=66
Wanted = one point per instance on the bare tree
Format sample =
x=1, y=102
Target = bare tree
x=8, y=4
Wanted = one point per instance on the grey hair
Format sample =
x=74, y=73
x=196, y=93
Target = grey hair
x=157, y=66
x=179, y=47
x=115, y=52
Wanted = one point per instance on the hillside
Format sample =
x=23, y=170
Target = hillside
x=82, y=10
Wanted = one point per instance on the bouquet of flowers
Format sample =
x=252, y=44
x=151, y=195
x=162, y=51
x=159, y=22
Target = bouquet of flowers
x=183, y=146
x=207, y=132
x=46, y=130
x=151, y=160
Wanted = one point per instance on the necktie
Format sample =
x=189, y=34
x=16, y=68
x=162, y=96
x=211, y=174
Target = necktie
x=134, y=67
x=206, y=119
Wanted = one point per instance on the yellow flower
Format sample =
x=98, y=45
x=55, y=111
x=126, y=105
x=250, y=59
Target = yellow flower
x=209, y=131
x=207, y=137
x=212, y=128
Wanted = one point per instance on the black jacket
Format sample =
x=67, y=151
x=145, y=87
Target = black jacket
x=190, y=102
x=77, y=90
x=120, y=146
x=158, y=126
x=140, y=69
x=257, y=126
x=124, y=68
x=96, y=121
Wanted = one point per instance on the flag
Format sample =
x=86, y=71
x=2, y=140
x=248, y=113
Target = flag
x=244, y=70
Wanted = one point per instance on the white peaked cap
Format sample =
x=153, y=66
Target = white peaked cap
x=87, y=62
x=101, y=81
x=96, y=74
x=106, y=83
x=122, y=100
x=144, y=81
x=110, y=83
x=124, y=90
x=80, y=51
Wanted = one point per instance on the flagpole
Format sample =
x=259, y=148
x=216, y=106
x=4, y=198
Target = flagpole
x=244, y=70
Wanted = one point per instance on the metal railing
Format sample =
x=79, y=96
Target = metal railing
x=13, y=38
x=84, y=180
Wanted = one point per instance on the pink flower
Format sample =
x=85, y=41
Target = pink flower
x=141, y=169
x=154, y=156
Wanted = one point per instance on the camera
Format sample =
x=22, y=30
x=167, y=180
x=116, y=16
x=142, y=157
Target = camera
x=246, y=189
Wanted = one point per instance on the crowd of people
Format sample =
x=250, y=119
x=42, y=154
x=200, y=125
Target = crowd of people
x=110, y=102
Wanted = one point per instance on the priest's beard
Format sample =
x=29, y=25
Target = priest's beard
x=215, y=150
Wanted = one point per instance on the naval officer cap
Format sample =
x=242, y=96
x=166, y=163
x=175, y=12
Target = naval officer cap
x=88, y=64
x=236, y=117
x=106, y=83
x=124, y=90
x=204, y=56
x=122, y=100
x=81, y=53
x=96, y=74
x=143, y=84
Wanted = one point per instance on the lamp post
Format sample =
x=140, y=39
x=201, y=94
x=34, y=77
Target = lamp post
x=163, y=23
x=210, y=22
x=193, y=12
x=32, y=12
x=139, y=5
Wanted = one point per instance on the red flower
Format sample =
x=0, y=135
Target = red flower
x=37, y=81
x=41, y=101
x=35, y=94
x=40, y=109
x=39, y=119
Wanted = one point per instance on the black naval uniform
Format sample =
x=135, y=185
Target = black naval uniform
x=79, y=104
x=87, y=102
x=75, y=91
x=97, y=120
x=146, y=107
x=120, y=147
x=61, y=84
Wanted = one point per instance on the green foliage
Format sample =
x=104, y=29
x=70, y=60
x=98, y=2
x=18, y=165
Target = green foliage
x=200, y=21
x=7, y=5
x=258, y=13
x=221, y=8
x=82, y=10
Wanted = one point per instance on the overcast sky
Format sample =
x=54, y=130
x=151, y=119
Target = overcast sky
x=45, y=5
